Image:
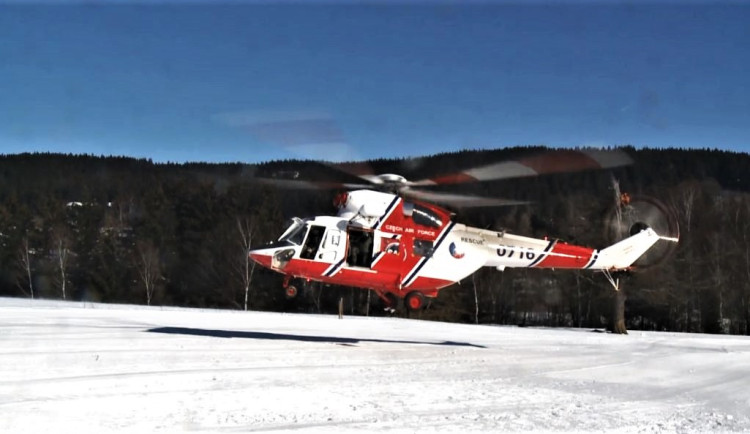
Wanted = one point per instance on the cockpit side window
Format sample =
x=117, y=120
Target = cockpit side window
x=310, y=248
x=298, y=235
x=295, y=233
x=426, y=217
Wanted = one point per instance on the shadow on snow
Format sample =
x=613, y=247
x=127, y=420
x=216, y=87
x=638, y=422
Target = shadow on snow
x=288, y=337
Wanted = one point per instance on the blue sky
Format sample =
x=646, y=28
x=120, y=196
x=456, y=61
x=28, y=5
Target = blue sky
x=248, y=82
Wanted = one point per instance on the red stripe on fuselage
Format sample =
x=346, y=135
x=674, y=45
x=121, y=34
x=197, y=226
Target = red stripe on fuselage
x=428, y=285
x=350, y=276
x=359, y=277
x=566, y=256
x=264, y=260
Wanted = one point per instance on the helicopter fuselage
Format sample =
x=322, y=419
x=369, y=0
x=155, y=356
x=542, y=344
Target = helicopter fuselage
x=411, y=249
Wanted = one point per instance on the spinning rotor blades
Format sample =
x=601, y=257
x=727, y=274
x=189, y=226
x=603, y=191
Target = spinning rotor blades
x=360, y=175
x=560, y=161
x=460, y=200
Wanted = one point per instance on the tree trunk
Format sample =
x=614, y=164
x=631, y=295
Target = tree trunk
x=367, y=308
x=578, y=299
x=149, y=266
x=245, y=228
x=62, y=255
x=476, y=299
x=26, y=263
x=317, y=298
x=248, y=281
x=618, y=312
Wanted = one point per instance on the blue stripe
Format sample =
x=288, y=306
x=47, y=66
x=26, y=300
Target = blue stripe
x=387, y=212
x=377, y=258
x=414, y=273
x=425, y=259
x=544, y=254
x=594, y=257
x=445, y=234
x=334, y=269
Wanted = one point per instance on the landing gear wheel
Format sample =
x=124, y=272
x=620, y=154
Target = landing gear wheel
x=414, y=301
x=291, y=292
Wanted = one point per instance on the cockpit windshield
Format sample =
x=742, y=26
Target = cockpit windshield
x=295, y=233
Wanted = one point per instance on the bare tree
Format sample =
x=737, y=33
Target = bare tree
x=367, y=306
x=476, y=298
x=245, y=228
x=618, y=317
x=149, y=267
x=24, y=260
x=582, y=314
x=742, y=223
x=617, y=323
x=684, y=202
x=717, y=255
x=61, y=246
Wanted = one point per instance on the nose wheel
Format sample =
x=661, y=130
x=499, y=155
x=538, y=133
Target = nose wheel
x=291, y=289
x=291, y=292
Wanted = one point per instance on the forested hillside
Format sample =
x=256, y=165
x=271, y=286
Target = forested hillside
x=117, y=229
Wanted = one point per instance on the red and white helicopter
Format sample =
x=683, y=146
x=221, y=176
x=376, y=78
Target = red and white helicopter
x=403, y=247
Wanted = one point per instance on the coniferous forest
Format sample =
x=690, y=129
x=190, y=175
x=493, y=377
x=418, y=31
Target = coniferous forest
x=124, y=230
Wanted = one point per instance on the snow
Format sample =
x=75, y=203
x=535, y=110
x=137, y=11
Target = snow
x=81, y=367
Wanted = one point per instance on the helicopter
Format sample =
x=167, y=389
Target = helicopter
x=391, y=237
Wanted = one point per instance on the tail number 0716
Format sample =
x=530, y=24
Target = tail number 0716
x=509, y=252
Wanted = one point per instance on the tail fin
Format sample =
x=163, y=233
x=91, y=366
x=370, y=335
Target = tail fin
x=624, y=253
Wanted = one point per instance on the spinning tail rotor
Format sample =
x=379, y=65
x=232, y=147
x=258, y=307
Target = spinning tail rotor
x=633, y=214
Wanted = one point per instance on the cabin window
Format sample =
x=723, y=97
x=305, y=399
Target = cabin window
x=360, y=248
x=422, y=247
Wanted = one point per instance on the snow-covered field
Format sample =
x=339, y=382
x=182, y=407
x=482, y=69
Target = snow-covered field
x=80, y=367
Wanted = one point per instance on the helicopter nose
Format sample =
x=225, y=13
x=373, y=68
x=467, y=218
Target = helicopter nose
x=261, y=256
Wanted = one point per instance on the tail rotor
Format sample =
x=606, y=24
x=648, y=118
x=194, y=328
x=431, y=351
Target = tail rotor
x=632, y=214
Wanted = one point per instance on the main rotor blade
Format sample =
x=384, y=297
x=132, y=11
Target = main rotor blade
x=460, y=200
x=559, y=161
x=302, y=184
x=360, y=169
x=312, y=136
x=310, y=171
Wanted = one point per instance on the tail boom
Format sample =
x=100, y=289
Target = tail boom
x=515, y=251
x=623, y=254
